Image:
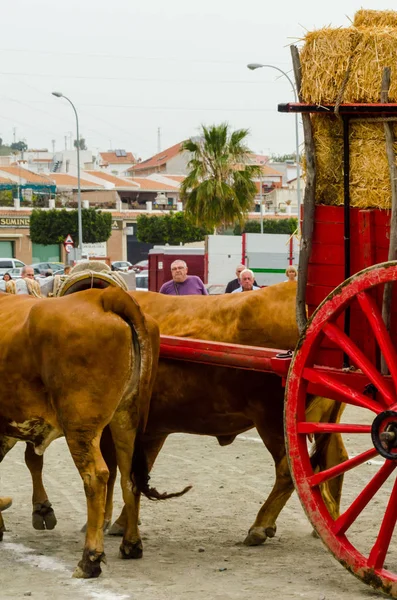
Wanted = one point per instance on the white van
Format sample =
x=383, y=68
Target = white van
x=9, y=263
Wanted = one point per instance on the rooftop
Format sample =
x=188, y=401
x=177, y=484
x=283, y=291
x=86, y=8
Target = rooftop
x=117, y=157
x=158, y=159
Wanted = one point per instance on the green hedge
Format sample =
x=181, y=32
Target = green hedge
x=52, y=226
x=287, y=226
x=172, y=229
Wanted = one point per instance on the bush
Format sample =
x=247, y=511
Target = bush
x=52, y=226
x=6, y=198
x=287, y=226
x=168, y=229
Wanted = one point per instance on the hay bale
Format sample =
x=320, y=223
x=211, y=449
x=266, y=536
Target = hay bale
x=375, y=18
x=346, y=65
x=362, y=53
x=369, y=169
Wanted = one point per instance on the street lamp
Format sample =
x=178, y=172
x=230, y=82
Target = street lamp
x=79, y=218
x=254, y=66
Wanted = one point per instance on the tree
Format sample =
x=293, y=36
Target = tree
x=287, y=226
x=19, y=146
x=219, y=188
x=82, y=144
x=168, y=229
x=52, y=226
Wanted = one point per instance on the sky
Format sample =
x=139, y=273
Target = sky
x=134, y=69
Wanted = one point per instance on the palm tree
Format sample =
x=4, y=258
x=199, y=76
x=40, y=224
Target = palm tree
x=219, y=189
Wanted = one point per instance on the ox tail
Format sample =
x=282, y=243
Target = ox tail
x=146, y=349
x=140, y=473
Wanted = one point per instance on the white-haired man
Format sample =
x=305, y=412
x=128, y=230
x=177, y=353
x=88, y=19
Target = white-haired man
x=234, y=284
x=247, y=282
x=181, y=283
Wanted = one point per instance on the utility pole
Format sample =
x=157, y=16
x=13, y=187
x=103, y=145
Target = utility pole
x=14, y=131
x=53, y=146
x=66, y=142
x=158, y=140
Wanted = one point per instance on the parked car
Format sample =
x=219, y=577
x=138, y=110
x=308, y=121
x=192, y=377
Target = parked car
x=142, y=281
x=142, y=265
x=15, y=272
x=42, y=267
x=215, y=288
x=9, y=263
x=121, y=265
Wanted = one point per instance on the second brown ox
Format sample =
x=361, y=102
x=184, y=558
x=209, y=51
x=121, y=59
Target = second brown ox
x=224, y=402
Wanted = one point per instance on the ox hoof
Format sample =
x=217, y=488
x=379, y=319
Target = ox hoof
x=315, y=534
x=130, y=550
x=43, y=516
x=90, y=566
x=2, y=530
x=116, y=529
x=258, y=535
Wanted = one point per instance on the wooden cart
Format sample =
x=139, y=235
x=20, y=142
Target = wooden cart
x=345, y=353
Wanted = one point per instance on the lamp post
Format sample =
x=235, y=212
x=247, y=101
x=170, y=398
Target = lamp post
x=79, y=218
x=253, y=67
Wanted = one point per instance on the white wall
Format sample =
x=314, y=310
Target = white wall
x=224, y=254
x=268, y=256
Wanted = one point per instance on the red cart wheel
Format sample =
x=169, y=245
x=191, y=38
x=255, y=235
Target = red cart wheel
x=360, y=534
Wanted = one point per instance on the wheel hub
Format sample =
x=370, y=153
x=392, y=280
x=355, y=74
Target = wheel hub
x=384, y=434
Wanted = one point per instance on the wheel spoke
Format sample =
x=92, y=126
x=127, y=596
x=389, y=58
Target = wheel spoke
x=350, y=395
x=374, y=316
x=343, y=467
x=343, y=523
x=358, y=357
x=314, y=427
x=378, y=553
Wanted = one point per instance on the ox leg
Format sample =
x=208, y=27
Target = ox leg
x=43, y=516
x=152, y=447
x=111, y=461
x=109, y=454
x=265, y=522
x=124, y=442
x=329, y=449
x=89, y=461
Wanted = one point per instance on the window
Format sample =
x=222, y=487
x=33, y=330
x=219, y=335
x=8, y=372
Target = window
x=19, y=264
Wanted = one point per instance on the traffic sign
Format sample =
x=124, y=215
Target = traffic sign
x=68, y=247
x=69, y=240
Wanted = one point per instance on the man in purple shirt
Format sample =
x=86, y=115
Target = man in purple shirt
x=181, y=283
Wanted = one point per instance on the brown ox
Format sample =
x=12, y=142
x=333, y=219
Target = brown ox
x=224, y=402
x=71, y=366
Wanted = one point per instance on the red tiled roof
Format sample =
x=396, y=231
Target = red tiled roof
x=110, y=157
x=6, y=180
x=64, y=179
x=154, y=186
x=158, y=159
x=269, y=171
x=117, y=181
x=26, y=174
x=178, y=178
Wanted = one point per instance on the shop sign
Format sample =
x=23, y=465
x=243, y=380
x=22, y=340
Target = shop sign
x=117, y=224
x=14, y=222
x=97, y=249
